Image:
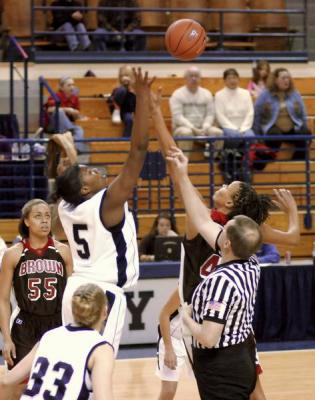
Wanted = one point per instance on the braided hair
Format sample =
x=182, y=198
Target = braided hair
x=248, y=202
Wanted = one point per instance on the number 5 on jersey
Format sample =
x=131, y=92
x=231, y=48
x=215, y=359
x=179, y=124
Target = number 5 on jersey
x=83, y=251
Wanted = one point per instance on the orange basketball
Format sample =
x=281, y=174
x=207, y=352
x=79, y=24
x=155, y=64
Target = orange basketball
x=185, y=39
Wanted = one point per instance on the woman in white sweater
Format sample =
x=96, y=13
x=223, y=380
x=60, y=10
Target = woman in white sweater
x=234, y=109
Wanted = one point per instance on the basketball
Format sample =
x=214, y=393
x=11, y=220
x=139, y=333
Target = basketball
x=185, y=39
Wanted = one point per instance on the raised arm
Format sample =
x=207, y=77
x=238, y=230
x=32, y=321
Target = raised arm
x=197, y=212
x=287, y=204
x=120, y=189
x=165, y=139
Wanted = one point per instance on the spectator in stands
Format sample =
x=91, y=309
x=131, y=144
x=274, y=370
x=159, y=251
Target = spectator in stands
x=119, y=22
x=163, y=225
x=68, y=113
x=3, y=248
x=70, y=23
x=122, y=102
x=268, y=254
x=234, y=108
x=192, y=112
x=261, y=72
x=235, y=114
x=280, y=110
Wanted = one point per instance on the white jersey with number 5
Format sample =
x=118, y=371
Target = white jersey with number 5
x=100, y=254
x=59, y=370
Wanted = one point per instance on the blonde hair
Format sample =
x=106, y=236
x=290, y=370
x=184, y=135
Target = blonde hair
x=25, y=213
x=125, y=70
x=88, y=302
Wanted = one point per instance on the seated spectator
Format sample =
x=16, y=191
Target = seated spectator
x=68, y=113
x=234, y=109
x=268, y=254
x=261, y=72
x=234, y=113
x=192, y=112
x=118, y=22
x=280, y=110
x=163, y=225
x=70, y=23
x=122, y=102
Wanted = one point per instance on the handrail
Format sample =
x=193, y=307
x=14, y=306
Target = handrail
x=163, y=187
x=44, y=84
x=177, y=9
x=219, y=34
x=25, y=58
x=19, y=48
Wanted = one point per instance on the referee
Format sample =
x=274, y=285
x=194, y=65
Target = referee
x=223, y=304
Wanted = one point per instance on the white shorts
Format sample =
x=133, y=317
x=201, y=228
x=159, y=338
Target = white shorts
x=117, y=301
x=162, y=371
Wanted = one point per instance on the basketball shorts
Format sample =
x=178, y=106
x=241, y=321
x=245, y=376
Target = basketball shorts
x=226, y=373
x=27, y=329
x=162, y=371
x=117, y=308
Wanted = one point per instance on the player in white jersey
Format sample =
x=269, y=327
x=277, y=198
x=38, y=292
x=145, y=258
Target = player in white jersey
x=57, y=369
x=99, y=228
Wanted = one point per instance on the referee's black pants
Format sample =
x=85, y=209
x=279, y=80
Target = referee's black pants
x=227, y=373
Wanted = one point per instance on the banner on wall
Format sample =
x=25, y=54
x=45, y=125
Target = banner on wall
x=144, y=303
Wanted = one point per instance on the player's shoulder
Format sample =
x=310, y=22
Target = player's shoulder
x=14, y=252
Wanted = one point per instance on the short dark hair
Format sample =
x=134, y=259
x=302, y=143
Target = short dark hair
x=248, y=202
x=230, y=71
x=245, y=237
x=69, y=185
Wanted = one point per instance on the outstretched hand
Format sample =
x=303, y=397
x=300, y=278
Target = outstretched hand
x=285, y=201
x=142, y=83
x=178, y=160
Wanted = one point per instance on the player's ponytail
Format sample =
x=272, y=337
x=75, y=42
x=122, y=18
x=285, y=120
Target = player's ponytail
x=248, y=202
x=88, y=303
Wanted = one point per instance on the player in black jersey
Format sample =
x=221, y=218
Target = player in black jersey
x=230, y=200
x=37, y=268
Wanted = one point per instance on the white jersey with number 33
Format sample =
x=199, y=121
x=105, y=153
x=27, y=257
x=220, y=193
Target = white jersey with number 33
x=100, y=254
x=59, y=370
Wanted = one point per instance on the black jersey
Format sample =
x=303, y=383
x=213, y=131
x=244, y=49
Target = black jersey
x=199, y=260
x=39, y=279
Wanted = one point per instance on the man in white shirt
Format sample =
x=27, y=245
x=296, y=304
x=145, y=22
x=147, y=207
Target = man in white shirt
x=192, y=112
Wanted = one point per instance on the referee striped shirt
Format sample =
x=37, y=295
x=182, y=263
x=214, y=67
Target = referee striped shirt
x=227, y=296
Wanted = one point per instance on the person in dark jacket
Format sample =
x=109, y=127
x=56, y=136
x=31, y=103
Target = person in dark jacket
x=119, y=22
x=70, y=23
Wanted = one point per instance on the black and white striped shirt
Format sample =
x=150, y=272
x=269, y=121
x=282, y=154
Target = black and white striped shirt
x=227, y=296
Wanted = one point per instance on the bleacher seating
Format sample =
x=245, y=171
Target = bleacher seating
x=289, y=174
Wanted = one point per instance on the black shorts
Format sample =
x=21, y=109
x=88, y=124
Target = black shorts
x=227, y=373
x=27, y=330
